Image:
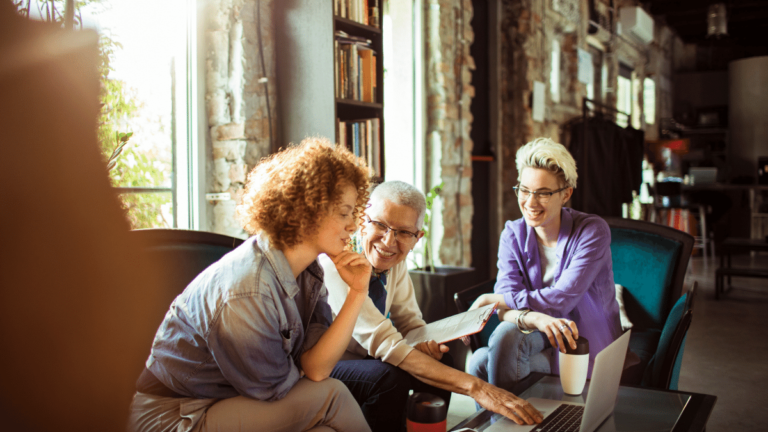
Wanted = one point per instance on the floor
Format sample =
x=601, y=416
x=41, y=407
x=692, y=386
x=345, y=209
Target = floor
x=726, y=352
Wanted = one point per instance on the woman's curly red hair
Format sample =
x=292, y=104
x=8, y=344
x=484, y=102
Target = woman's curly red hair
x=288, y=193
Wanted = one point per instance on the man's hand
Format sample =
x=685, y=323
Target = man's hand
x=354, y=269
x=505, y=403
x=486, y=299
x=432, y=349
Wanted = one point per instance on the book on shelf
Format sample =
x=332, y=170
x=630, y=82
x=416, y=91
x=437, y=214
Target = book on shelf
x=362, y=11
x=363, y=138
x=355, y=68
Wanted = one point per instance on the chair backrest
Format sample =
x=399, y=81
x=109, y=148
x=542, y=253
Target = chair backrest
x=649, y=261
x=184, y=254
x=663, y=370
x=464, y=300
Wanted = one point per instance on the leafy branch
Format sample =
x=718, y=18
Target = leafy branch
x=431, y=195
x=121, y=139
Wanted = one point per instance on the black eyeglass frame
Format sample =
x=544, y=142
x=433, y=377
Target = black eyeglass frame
x=395, y=232
x=539, y=195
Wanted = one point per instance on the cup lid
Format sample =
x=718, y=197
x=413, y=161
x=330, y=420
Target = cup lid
x=582, y=346
x=426, y=408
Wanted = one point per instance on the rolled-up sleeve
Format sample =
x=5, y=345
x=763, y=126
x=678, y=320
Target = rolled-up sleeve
x=254, y=358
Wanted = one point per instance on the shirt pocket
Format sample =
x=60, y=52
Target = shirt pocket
x=290, y=336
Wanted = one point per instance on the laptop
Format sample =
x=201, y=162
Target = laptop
x=572, y=416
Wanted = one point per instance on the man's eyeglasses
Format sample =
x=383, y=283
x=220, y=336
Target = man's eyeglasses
x=541, y=196
x=401, y=236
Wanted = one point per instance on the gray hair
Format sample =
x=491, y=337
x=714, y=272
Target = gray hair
x=549, y=155
x=402, y=193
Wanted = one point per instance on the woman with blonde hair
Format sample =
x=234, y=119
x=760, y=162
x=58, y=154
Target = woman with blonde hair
x=555, y=280
x=250, y=343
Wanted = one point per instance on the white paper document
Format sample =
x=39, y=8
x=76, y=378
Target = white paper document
x=453, y=327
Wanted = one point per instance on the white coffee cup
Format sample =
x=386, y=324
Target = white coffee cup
x=574, y=365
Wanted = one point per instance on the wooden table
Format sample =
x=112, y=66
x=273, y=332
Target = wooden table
x=727, y=248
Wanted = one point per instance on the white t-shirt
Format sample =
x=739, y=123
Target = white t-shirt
x=548, y=257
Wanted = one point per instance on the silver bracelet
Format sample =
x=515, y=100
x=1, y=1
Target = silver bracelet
x=520, y=325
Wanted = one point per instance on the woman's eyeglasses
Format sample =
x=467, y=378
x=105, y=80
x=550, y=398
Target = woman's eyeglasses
x=542, y=197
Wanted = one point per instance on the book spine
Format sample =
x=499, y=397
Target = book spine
x=336, y=70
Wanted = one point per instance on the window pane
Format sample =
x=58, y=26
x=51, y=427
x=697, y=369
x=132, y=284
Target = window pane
x=138, y=97
x=554, y=77
x=649, y=100
x=148, y=210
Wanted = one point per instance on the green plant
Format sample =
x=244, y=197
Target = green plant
x=431, y=195
x=118, y=106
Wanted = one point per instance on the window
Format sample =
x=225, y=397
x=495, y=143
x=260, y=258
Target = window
x=649, y=100
x=624, y=94
x=595, y=89
x=146, y=94
x=404, y=104
x=403, y=91
x=554, y=76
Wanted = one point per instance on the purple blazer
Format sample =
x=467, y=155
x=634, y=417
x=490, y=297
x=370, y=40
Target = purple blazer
x=583, y=289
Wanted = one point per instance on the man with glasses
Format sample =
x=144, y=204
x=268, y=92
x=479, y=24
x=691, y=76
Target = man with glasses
x=379, y=367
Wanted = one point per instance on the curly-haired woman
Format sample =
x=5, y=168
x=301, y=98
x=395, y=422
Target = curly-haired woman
x=555, y=280
x=250, y=343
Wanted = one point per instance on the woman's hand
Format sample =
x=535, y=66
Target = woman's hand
x=354, y=269
x=558, y=330
x=432, y=349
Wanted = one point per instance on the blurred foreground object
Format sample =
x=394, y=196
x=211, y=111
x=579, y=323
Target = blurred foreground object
x=78, y=304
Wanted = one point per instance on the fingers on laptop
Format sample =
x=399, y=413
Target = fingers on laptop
x=524, y=413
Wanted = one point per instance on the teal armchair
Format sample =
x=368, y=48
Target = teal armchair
x=650, y=262
x=184, y=254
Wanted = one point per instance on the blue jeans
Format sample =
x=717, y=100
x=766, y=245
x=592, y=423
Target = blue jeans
x=510, y=356
x=382, y=390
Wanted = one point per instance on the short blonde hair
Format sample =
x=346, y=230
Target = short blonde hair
x=549, y=155
x=289, y=192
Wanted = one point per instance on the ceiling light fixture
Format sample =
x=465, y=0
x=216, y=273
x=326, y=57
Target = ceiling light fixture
x=717, y=23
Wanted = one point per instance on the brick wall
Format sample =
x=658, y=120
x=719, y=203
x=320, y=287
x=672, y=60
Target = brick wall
x=449, y=121
x=235, y=100
x=528, y=28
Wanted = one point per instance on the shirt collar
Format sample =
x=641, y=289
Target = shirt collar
x=566, y=226
x=279, y=263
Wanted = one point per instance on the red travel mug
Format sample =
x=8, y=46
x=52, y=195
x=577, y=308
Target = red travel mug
x=426, y=413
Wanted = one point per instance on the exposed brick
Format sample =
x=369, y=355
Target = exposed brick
x=228, y=132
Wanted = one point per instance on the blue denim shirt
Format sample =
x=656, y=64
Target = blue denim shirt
x=237, y=329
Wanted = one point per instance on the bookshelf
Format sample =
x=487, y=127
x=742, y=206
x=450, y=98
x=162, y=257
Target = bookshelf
x=318, y=50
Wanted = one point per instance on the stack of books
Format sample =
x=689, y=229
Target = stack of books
x=363, y=138
x=355, y=68
x=363, y=11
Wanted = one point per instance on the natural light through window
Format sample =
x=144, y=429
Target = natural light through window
x=143, y=65
x=554, y=76
x=649, y=100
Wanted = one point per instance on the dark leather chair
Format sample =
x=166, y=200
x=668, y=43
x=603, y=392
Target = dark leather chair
x=184, y=254
x=650, y=262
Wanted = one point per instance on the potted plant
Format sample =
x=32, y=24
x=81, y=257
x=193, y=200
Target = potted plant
x=435, y=286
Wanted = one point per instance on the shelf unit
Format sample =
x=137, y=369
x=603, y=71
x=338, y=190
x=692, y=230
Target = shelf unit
x=305, y=51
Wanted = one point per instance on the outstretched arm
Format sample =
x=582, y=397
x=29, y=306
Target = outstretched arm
x=432, y=372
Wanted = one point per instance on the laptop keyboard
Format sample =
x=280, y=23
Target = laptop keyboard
x=566, y=418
